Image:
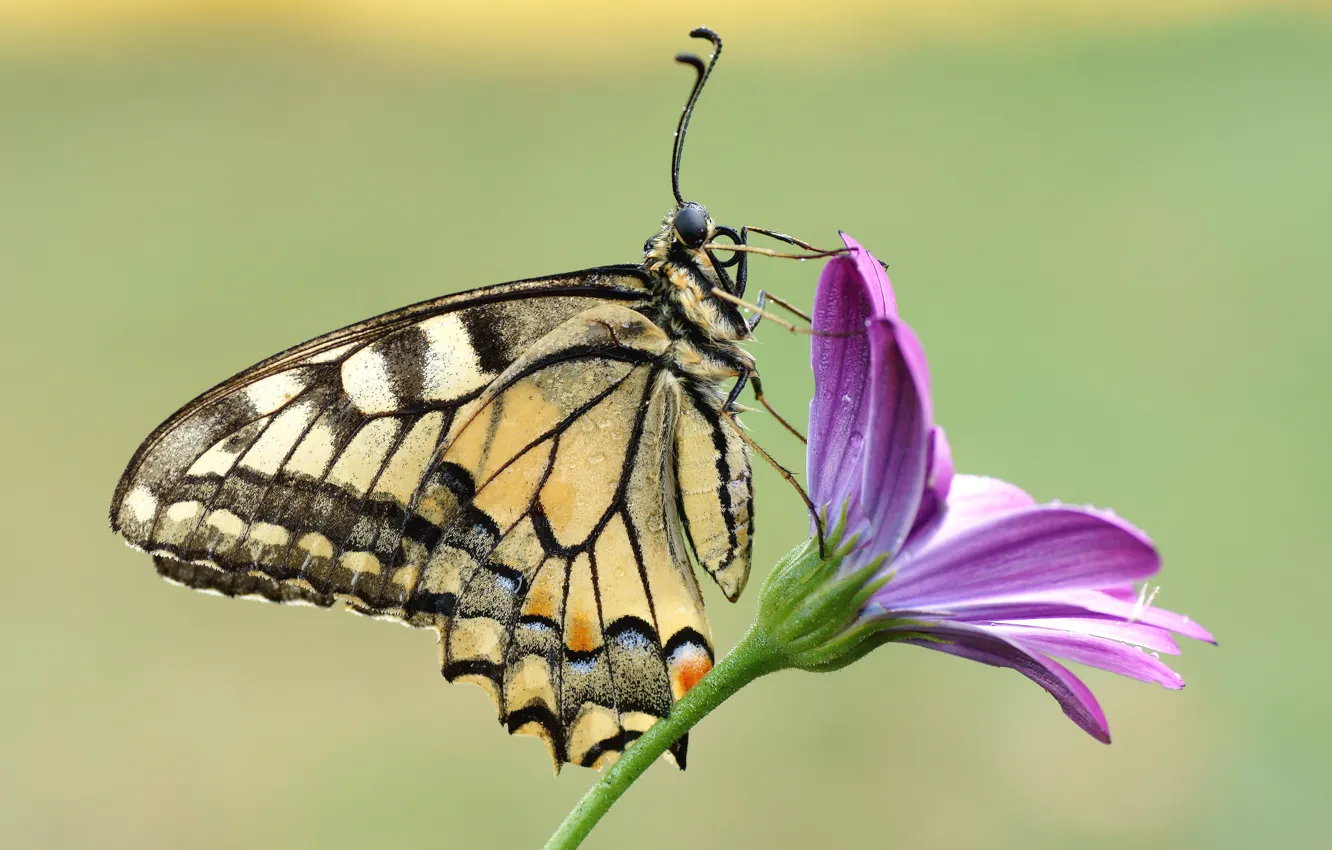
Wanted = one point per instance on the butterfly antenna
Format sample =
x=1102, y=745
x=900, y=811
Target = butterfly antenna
x=703, y=71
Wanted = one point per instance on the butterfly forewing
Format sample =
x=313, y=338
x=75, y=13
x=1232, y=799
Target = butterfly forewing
x=287, y=420
x=513, y=467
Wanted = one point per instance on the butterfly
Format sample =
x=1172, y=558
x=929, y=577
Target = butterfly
x=530, y=469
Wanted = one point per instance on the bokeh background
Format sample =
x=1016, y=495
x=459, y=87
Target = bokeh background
x=1108, y=221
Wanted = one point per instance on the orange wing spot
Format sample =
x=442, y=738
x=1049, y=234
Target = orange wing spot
x=582, y=635
x=687, y=668
x=540, y=603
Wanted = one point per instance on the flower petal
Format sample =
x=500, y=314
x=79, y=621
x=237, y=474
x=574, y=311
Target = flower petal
x=1034, y=550
x=1081, y=604
x=898, y=439
x=986, y=646
x=839, y=414
x=871, y=417
x=1102, y=602
x=879, y=290
x=971, y=499
x=1148, y=637
x=975, y=498
x=937, y=483
x=1109, y=655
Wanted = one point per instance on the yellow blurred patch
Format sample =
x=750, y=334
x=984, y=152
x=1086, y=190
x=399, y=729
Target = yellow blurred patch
x=530, y=32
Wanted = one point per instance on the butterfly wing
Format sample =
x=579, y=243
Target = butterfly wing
x=715, y=488
x=525, y=509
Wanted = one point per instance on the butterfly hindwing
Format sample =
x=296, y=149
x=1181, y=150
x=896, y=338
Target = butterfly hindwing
x=716, y=489
x=563, y=586
x=238, y=584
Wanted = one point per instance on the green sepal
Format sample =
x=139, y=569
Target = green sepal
x=813, y=615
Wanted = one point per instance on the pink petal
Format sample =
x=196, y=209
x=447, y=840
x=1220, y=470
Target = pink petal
x=1081, y=604
x=871, y=419
x=975, y=498
x=839, y=412
x=1109, y=655
x=898, y=439
x=1101, y=602
x=937, y=482
x=971, y=499
x=878, y=288
x=1141, y=634
x=1028, y=551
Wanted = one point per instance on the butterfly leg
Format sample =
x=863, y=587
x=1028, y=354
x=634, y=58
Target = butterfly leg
x=758, y=394
x=781, y=470
x=741, y=258
x=767, y=314
x=799, y=243
x=729, y=410
x=742, y=278
x=768, y=252
x=790, y=308
x=742, y=274
x=745, y=377
x=791, y=240
x=764, y=296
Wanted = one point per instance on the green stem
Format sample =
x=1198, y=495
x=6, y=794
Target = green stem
x=752, y=657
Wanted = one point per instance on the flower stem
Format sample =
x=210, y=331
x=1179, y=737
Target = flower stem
x=752, y=657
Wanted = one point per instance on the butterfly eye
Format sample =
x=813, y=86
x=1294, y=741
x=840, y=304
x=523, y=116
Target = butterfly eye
x=691, y=225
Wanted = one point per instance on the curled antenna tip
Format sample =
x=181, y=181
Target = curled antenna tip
x=703, y=69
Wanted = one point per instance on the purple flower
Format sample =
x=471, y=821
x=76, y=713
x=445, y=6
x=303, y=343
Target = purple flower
x=963, y=564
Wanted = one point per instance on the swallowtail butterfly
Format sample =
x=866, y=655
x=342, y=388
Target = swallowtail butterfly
x=528, y=468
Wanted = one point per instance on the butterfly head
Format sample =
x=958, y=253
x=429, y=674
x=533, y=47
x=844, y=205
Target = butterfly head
x=689, y=273
x=692, y=225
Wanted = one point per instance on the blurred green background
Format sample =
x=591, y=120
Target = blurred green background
x=1114, y=243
